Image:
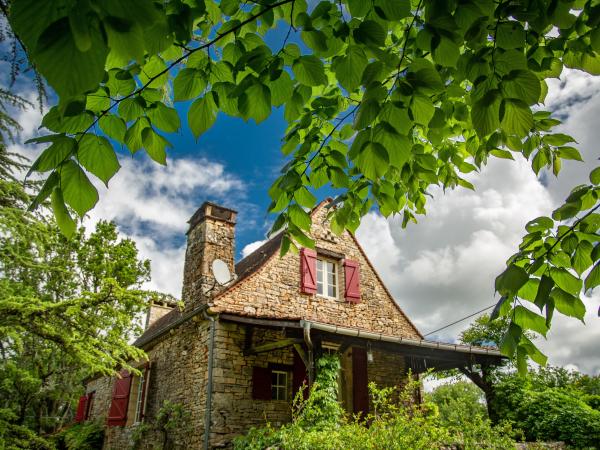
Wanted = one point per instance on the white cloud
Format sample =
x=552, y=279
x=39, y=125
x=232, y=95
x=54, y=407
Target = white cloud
x=444, y=268
x=151, y=204
x=251, y=247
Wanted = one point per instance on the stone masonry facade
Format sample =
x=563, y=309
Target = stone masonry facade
x=179, y=354
x=273, y=290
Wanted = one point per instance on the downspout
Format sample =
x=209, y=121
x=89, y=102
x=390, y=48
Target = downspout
x=209, y=386
x=309, y=345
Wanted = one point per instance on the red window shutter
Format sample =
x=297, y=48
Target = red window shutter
x=360, y=390
x=299, y=376
x=261, y=383
x=308, y=271
x=352, y=278
x=117, y=413
x=81, y=409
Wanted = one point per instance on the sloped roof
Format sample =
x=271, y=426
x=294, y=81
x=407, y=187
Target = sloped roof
x=243, y=269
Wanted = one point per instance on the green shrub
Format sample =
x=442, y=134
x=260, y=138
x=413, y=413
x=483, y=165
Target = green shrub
x=397, y=422
x=554, y=415
x=17, y=437
x=82, y=436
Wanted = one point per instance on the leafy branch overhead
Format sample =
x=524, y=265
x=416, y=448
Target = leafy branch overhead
x=383, y=99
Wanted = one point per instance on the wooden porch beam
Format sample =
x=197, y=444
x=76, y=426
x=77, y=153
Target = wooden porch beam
x=273, y=345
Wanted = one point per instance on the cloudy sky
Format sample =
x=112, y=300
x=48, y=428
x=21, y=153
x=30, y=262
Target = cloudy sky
x=439, y=270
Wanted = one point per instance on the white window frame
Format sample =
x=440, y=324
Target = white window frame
x=140, y=396
x=323, y=279
x=280, y=388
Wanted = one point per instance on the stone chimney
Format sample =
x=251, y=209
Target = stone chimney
x=210, y=237
x=159, y=307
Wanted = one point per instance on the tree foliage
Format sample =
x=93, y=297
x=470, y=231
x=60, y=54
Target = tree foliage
x=67, y=310
x=383, y=100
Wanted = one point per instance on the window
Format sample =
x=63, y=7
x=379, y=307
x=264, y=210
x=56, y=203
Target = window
x=139, y=404
x=278, y=385
x=326, y=278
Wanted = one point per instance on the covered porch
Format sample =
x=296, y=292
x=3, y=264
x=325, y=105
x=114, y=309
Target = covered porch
x=365, y=356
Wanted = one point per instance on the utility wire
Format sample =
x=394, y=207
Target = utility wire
x=459, y=320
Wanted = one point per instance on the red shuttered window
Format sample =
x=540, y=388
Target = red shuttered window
x=117, y=413
x=81, y=409
x=308, y=271
x=352, y=281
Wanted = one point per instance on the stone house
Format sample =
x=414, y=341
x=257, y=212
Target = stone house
x=235, y=355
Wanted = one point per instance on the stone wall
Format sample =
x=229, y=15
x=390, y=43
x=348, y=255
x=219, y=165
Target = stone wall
x=234, y=409
x=178, y=374
x=273, y=291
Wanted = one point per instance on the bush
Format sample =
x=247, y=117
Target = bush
x=548, y=413
x=554, y=415
x=397, y=422
x=81, y=436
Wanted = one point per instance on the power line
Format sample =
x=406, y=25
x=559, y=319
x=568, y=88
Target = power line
x=460, y=320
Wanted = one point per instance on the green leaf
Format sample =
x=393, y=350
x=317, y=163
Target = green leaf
x=67, y=69
x=51, y=182
x=516, y=117
x=164, y=117
x=446, y=53
x=543, y=293
x=373, y=160
x=255, y=102
x=304, y=198
x=281, y=89
x=529, y=290
x=397, y=117
x=485, y=113
x=350, y=67
x=510, y=340
x=370, y=32
x=422, y=109
x=358, y=8
x=558, y=139
x=522, y=85
x=569, y=153
x=593, y=278
x=61, y=214
x=566, y=280
x=528, y=320
x=133, y=136
x=189, y=83
x=511, y=280
x=98, y=157
x=51, y=157
x=299, y=217
x=501, y=308
x=397, y=146
x=202, y=115
x=78, y=192
x=367, y=113
x=568, y=304
x=315, y=40
x=131, y=108
x=510, y=35
x=392, y=9
x=153, y=74
x=309, y=71
x=155, y=145
x=539, y=224
x=582, y=258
